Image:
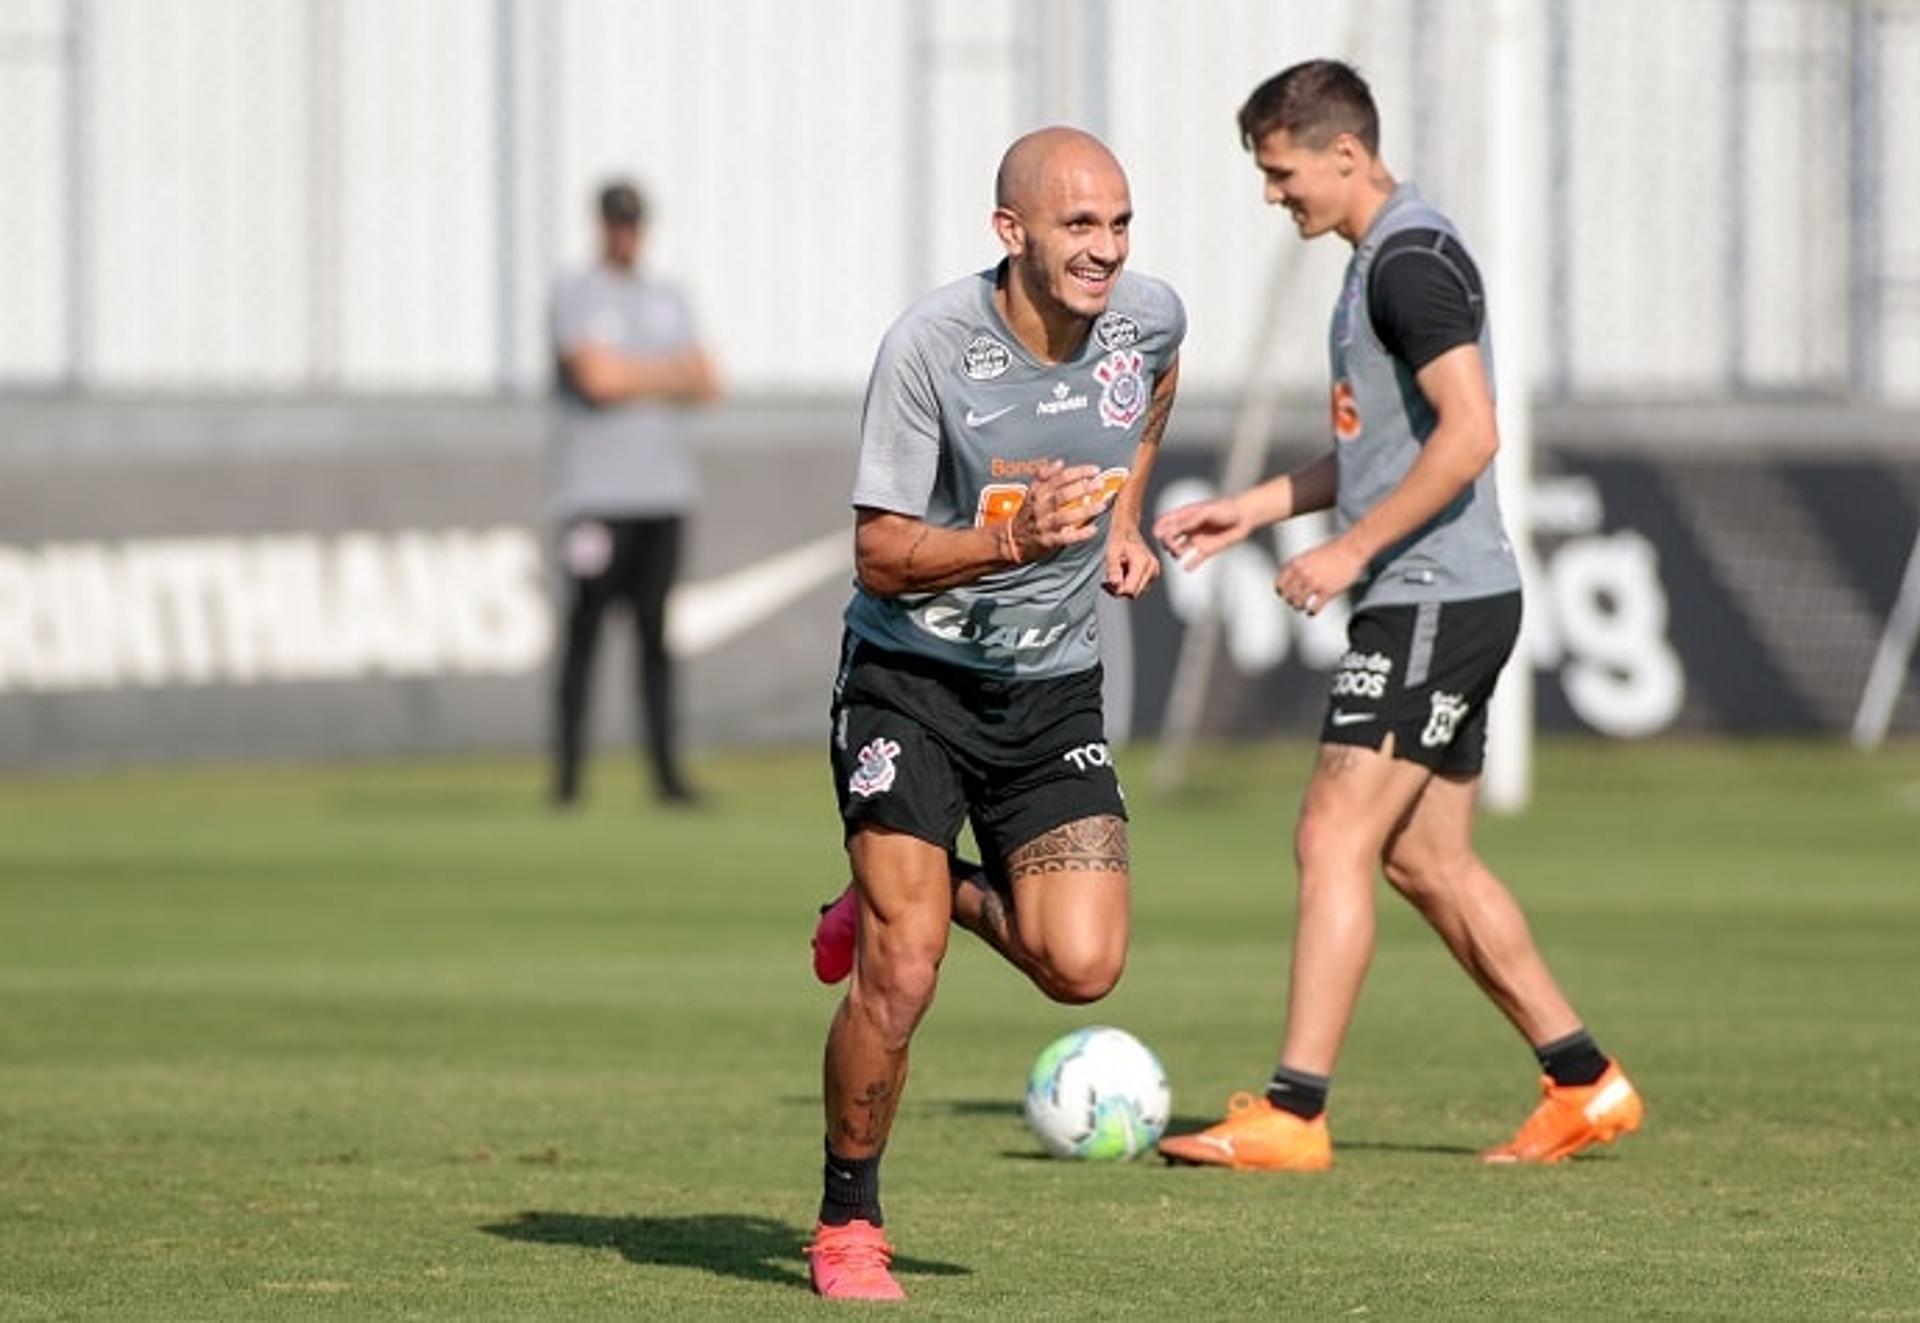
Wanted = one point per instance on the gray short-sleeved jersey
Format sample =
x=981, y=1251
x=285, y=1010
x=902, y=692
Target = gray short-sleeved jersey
x=629, y=458
x=958, y=416
x=1380, y=421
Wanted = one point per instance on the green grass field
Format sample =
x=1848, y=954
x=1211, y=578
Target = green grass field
x=393, y=1042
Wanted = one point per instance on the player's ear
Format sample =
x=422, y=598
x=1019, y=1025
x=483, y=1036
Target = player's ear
x=1346, y=153
x=1012, y=234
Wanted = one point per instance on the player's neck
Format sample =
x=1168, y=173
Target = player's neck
x=1052, y=336
x=1370, y=194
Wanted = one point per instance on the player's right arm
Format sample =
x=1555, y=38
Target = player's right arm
x=896, y=553
x=896, y=549
x=1196, y=533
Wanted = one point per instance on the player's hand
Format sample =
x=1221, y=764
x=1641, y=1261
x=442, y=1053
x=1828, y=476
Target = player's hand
x=1194, y=534
x=1061, y=507
x=1131, y=565
x=1313, y=578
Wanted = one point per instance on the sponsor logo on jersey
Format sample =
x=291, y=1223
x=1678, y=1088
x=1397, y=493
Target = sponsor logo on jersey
x=986, y=358
x=1443, y=717
x=945, y=621
x=1347, y=423
x=1015, y=468
x=876, y=770
x=1123, y=388
x=1116, y=330
x=1063, y=401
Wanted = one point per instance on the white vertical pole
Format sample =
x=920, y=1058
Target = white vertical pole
x=1513, y=278
x=1891, y=660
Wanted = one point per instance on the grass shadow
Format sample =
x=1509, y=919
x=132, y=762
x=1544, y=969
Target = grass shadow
x=1386, y=1146
x=743, y=1245
x=994, y=1107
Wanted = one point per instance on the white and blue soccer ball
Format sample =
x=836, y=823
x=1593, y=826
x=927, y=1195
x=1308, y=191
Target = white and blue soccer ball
x=1099, y=1094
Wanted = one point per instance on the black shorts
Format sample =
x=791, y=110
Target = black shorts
x=920, y=747
x=1423, y=672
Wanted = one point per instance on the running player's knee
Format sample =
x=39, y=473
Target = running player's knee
x=894, y=997
x=1419, y=872
x=1318, y=837
x=894, y=985
x=1404, y=874
x=1078, y=983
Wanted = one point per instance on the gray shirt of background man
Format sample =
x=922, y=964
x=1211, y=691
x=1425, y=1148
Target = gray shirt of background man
x=1381, y=420
x=958, y=416
x=628, y=459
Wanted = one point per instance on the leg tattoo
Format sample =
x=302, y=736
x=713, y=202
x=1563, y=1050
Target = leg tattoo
x=876, y=1100
x=1092, y=845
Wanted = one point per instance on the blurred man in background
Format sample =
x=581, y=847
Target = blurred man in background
x=1436, y=612
x=1011, y=424
x=628, y=363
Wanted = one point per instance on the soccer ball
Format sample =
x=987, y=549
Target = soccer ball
x=1097, y=1093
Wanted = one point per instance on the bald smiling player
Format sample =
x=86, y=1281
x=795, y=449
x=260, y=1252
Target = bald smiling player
x=1010, y=427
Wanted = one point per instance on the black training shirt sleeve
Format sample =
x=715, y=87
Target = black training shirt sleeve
x=1424, y=296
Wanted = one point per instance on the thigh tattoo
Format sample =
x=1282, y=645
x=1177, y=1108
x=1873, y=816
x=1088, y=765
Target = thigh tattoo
x=1090, y=845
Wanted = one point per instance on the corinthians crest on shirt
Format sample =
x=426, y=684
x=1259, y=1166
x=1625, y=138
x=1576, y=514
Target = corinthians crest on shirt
x=1123, y=387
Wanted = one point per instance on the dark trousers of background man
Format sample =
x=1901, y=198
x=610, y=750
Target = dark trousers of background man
x=642, y=558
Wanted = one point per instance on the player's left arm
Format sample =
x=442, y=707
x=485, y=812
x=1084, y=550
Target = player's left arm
x=1131, y=565
x=1463, y=442
x=1427, y=304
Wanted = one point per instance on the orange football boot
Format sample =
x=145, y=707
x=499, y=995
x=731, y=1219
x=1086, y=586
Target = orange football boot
x=1571, y=1117
x=1256, y=1136
x=850, y=1263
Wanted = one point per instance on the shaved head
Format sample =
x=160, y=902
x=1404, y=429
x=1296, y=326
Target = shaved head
x=1061, y=210
x=1045, y=155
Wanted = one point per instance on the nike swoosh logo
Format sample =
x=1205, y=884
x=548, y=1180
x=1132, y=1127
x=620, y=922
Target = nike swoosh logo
x=702, y=616
x=982, y=419
x=1606, y=1100
x=1351, y=718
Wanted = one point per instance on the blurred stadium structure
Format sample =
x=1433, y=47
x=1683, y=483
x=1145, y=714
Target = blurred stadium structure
x=270, y=424
x=356, y=196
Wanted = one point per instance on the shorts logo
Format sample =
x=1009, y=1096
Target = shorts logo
x=986, y=358
x=1123, y=389
x=876, y=770
x=1362, y=675
x=1442, y=718
x=1089, y=755
x=1116, y=330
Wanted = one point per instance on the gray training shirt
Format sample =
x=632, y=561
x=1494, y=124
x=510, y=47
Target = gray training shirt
x=958, y=416
x=1380, y=422
x=628, y=459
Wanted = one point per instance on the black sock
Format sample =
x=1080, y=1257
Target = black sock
x=1575, y=1059
x=851, y=1189
x=1298, y=1092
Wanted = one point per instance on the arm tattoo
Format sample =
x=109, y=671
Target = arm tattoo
x=1091, y=845
x=1158, y=410
x=906, y=570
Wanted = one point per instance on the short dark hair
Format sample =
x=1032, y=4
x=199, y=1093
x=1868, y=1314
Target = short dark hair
x=1315, y=102
x=622, y=204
